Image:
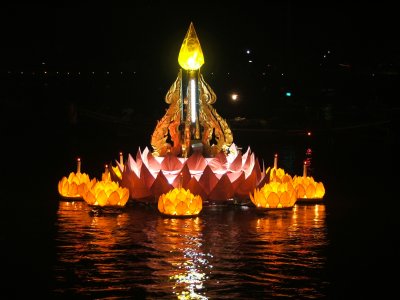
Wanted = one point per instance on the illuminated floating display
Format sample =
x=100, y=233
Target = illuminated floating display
x=278, y=174
x=308, y=190
x=215, y=179
x=115, y=172
x=274, y=195
x=73, y=186
x=180, y=202
x=191, y=123
x=106, y=193
x=193, y=154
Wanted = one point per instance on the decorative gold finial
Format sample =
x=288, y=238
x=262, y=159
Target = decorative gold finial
x=191, y=122
x=191, y=56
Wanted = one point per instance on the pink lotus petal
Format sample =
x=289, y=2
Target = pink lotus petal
x=219, y=162
x=171, y=163
x=146, y=176
x=223, y=189
x=246, y=186
x=196, y=162
x=236, y=165
x=160, y=186
x=208, y=180
x=195, y=188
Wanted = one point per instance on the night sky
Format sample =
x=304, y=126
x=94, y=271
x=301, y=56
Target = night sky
x=149, y=33
x=306, y=48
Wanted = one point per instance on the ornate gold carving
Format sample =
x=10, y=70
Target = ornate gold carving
x=169, y=124
x=211, y=125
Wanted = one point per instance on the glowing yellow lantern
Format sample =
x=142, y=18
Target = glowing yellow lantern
x=278, y=174
x=274, y=195
x=73, y=187
x=180, y=202
x=106, y=193
x=191, y=56
x=308, y=190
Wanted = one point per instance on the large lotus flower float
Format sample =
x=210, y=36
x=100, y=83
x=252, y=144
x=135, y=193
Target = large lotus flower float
x=180, y=202
x=73, y=186
x=214, y=179
x=308, y=190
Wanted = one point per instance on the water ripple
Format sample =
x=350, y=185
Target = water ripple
x=219, y=255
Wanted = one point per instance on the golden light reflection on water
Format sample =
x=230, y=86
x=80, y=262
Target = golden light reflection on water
x=223, y=252
x=187, y=263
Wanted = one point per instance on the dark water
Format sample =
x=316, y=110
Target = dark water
x=224, y=253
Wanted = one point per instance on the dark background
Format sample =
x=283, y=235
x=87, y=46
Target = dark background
x=340, y=61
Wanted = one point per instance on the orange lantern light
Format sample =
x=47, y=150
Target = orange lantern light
x=72, y=187
x=278, y=174
x=308, y=190
x=106, y=193
x=274, y=195
x=180, y=202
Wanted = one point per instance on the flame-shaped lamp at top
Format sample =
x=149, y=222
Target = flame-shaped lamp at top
x=308, y=188
x=180, y=202
x=72, y=187
x=274, y=195
x=191, y=56
x=106, y=193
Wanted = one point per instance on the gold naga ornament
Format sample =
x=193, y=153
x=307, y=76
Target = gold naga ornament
x=190, y=123
x=180, y=202
x=73, y=186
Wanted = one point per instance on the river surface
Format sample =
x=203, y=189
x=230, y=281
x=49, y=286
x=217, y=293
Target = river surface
x=227, y=252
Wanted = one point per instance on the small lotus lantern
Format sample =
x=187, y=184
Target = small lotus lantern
x=274, y=195
x=307, y=188
x=73, y=187
x=180, y=202
x=278, y=174
x=106, y=194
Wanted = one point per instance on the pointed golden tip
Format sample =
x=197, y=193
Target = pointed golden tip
x=191, y=56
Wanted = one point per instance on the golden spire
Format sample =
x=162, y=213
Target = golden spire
x=191, y=56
